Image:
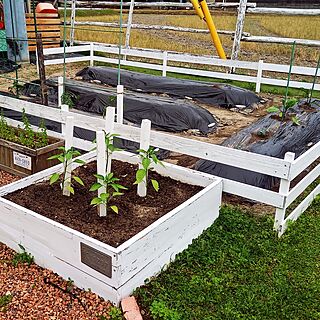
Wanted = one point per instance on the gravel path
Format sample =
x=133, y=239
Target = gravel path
x=34, y=293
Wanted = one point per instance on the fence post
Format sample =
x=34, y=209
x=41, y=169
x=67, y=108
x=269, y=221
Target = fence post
x=259, y=76
x=64, y=108
x=73, y=21
x=144, y=145
x=164, y=63
x=91, y=54
x=239, y=30
x=129, y=24
x=101, y=168
x=60, y=92
x=283, y=190
x=109, y=128
x=120, y=103
x=68, y=138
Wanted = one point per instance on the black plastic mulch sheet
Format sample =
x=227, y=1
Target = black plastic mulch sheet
x=7, y=66
x=270, y=137
x=166, y=114
x=204, y=92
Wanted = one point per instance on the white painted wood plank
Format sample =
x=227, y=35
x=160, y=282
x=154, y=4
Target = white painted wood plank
x=254, y=193
x=157, y=245
x=302, y=185
x=302, y=207
x=305, y=160
x=285, y=69
x=81, y=48
x=285, y=11
x=68, y=60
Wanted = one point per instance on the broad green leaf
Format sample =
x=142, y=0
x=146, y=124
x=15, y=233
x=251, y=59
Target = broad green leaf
x=154, y=158
x=54, y=178
x=155, y=184
x=146, y=163
x=99, y=176
x=115, y=209
x=68, y=156
x=61, y=158
x=79, y=161
x=115, y=194
x=273, y=109
x=104, y=196
x=54, y=157
x=95, y=186
x=61, y=148
x=140, y=175
x=70, y=189
x=95, y=201
x=110, y=175
x=79, y=180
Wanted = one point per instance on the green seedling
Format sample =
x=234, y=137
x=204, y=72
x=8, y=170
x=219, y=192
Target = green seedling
x=22, y=257
x=148, y=157
x=112, y=187
x=67, y=158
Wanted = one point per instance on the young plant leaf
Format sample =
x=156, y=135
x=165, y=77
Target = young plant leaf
x=95, y=186
x=155, y=184
x=79, y=180
x=79, y=161
x=70, y=189
x=54, y=178
x=115, y=209
x=140, y=175
x=146, y=163
x=273, y=109
x=95, y=201
x=295, y=120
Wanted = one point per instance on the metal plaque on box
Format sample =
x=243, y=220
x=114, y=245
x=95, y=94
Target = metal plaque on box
x=96, y=259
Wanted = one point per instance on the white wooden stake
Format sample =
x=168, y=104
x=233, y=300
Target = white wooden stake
x=239, y=30
x=129, y=24
x=164, y=63
x=65, y=108
x=119, y=103
x=283, y=190
x=60, y=91
x=259, y=76
x=144, y=145
x=91, y=54
x=109, y=128
x=68, y=136
x=73, y=20
x=101, y=168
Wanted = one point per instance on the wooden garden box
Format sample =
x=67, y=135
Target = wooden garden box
x=23, y=161
x=111, y=272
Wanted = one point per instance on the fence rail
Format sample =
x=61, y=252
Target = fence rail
x=285, y=169
x=166, y=59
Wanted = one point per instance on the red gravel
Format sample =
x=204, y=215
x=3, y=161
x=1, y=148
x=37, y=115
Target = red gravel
x=40, y=294
x=6, y=178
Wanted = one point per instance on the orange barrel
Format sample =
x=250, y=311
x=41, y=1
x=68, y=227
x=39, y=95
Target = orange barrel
x=46, y=8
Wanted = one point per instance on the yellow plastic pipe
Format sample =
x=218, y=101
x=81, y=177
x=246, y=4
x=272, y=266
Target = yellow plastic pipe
x=213, y=31
x=197, y=8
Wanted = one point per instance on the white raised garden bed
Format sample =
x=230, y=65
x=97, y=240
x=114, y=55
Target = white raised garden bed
x=111, y=272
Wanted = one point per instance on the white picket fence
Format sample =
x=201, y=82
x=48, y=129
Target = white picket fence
x=285, y=169
x=94, y=53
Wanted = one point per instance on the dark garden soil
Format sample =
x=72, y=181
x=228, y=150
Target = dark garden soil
x=135, y=213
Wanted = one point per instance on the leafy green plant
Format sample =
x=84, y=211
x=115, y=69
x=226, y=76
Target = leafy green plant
x=16, y=88
x=115, y=313
x=68, y=99
x=147, y=158
x=4, y=301
x=22, y=257
x=283, y=110
x=160, y=311
x=67, y=158
x=287, y=103
x=24, y=135
x=110, y=183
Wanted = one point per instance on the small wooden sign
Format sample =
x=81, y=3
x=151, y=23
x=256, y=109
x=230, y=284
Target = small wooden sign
x=22, y=160
x=96, y=259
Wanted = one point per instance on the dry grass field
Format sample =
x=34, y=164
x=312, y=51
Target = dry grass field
x=268, y=25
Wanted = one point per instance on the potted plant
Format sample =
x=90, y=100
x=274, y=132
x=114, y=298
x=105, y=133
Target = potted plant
x=25, y=151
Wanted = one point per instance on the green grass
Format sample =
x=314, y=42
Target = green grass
x=89, y=13
x=239, y=269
